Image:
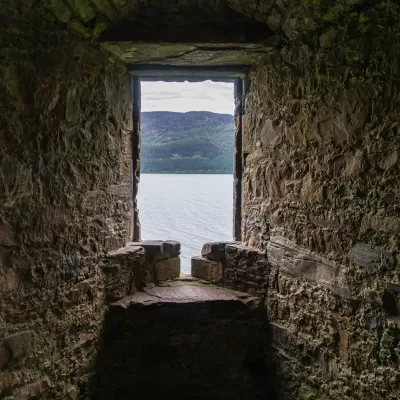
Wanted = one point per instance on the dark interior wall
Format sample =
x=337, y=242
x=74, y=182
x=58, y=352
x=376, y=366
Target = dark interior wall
x=321, y=196
x=321, y=145
x=65, y=198
x=320, y=190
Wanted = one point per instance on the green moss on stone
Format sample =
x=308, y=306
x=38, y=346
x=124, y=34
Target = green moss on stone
x=83, y=9
x=105, y=8
x=76, y=26
x=99, y=29
x=58, y=9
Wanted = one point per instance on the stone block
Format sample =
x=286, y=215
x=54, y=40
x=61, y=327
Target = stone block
x=159, y=249
x=209, y=332
x=19, y=344
x=168, y=269
x=124, y=270
x=246, y=269
x=365, y=256
x=133, y=254
x=208, y=270
x=300, y=262
x=271, y=134
x=215, y=250
x=394, y=287
x=5, y=355
x=150, y=246
x=171, y=247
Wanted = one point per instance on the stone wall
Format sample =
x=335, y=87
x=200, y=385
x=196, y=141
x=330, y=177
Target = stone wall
x=65, y=199
x=321, y=197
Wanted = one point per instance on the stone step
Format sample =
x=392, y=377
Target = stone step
x=195, y=294
x=184, y=341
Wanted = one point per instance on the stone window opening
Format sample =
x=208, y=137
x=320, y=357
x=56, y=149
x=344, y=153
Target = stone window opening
x=146, y=76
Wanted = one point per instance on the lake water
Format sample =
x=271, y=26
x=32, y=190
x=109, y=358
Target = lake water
x=192, y=209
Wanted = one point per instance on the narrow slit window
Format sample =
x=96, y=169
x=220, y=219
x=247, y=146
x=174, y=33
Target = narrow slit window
x=186, y=163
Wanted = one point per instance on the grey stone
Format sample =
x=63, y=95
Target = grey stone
x=394, y=287
x=171, y=247
x=5, y=355
x=132, y=253
x=182, y=294
x=215, y=250
x=208, y=270
x=168, y=269
x=124, y=271
x=272, y=134
x=159, y=249
x=186, y=334
x=246, y=269
x=301, y=262
x=292, y=342
x=19, y=344
x=150, y=246
x=365, y=256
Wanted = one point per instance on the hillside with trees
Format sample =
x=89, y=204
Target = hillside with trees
x=192, y=142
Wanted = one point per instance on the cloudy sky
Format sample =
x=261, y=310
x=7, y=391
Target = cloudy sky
x=188, y=96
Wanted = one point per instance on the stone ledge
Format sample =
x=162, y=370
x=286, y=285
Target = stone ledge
x=215, y=251
x=300, y=262
x=242, y=249
x=158, y=249
x=131, y=253
x=187, y=294
x=208, y=270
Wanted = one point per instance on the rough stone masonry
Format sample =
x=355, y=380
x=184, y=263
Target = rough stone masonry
x=320, y=182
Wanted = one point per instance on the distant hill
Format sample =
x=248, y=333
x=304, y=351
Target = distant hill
x=192, y=142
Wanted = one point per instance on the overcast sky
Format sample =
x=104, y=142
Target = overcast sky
x=188, y=96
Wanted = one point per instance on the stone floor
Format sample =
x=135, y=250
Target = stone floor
x=185, y=339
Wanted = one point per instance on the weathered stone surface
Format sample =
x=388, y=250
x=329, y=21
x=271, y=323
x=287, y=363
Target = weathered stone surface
x=246, y=269
x=394, y=287
x=19, y=344
x=184, y=294
x=211, y=271
x=214, y=250
x=168, y=269
x=228, y=38
x=130, y=254
x=298, y=261
x=171, y=247
x=271, y=134
x=31, y=391
x=159, y=249
x=188, y=54
x=58, y=156
x=125, y=271
x=5, y=355
x=324, y=173
x=151, y=246
x=184, y=343
x=365, y=256
x=291, y=342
